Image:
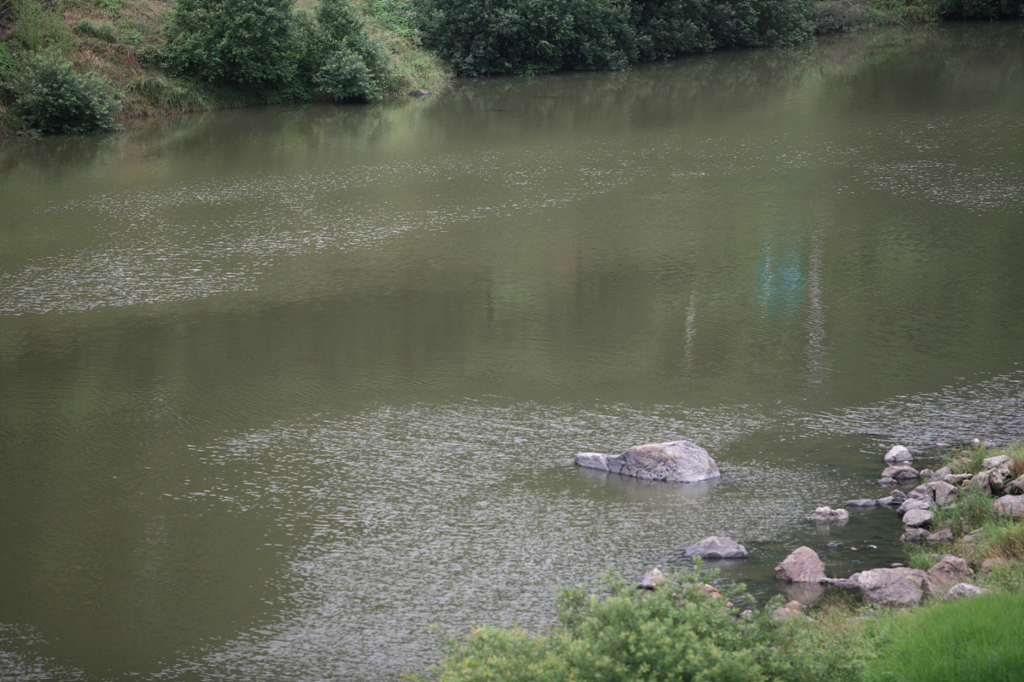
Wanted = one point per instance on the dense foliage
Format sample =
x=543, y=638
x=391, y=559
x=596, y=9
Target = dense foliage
x=613, y=632
x=482, y=37
x=52, y=98
x=248, y=43
x=263, y=45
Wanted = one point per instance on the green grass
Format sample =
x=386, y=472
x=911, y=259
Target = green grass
x=963, y=641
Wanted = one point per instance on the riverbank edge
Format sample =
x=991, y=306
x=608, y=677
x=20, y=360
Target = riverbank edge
x=120, y=41
x=837, y=639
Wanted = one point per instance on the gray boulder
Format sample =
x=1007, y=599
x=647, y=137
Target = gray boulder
x=949, y=571
x=944, y=535
x=911, y=505
x=676, y=462
x=915, y=518
x=862, y=503
x=1015, y=487
x=802, y=566
x=898, y=455
x=1010, y=505
x=997, y=461
x=715, y=547
x=893, y=586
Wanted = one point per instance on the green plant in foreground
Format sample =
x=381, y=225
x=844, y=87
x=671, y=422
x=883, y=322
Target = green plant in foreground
x=52, y=98
x=962, y=641
x=612, y=632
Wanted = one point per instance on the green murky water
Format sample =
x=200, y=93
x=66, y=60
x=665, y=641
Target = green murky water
x=278, y=388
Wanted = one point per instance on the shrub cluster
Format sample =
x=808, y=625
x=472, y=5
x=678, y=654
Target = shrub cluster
x=486, y=37
x=680, y=633
x=266, y=47
x=52, y=98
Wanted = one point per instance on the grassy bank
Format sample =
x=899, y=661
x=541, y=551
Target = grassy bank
x=124, y=44
x=685, y=631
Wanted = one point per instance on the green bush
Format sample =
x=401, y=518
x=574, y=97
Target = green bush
x=488, y=37
x=981, y=9
x=7, y=61
x=612, y=632
x=666, y=28
x=249, y=43
x=339, y=58
x=52, y=98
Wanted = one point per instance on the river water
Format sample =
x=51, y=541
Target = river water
x=279, y=388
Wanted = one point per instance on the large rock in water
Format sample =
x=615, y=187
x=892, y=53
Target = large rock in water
x=802, y=566
x=678, y=462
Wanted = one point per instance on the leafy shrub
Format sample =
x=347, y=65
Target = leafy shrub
x=111, y=6
x=7, y=61
x=339, y=58
x=103, y=30
x=666, y=28
x=613, y=632
x=52, y=98
x=761, y=23
x=247, y=43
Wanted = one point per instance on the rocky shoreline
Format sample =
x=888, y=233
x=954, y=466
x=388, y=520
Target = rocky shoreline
x=802, y=573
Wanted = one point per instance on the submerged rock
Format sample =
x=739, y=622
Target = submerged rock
x=900, y=473
x=677, y=462
x=866, y=503
x=803, y=565
x=715, y=547
x=829, y=515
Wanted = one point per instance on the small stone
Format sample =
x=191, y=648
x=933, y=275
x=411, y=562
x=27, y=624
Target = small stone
x=944, y=535
x=963, y=590
x=887, y=502
x=861, y=503
x=887, y=481
x=915, y=535
x=791, y=610
x=898, y=454
x=871, y=547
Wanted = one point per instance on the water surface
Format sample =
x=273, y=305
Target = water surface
x=281, y=387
